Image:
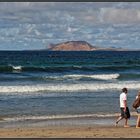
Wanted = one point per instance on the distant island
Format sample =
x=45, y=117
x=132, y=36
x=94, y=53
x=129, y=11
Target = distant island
x=79, y=46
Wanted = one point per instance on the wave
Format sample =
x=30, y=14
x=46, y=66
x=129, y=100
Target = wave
x=10, y=68
x=54, y=117
x=97, y=76
x=132, y=75
x=84, y=76
x=81, y=77
x=67, y=68
x=89, y=68
x=49, y=78
x=58, y=88
x=57, y=117
x=18, y=68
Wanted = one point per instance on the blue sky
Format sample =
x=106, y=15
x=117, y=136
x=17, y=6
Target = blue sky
x=29, y=25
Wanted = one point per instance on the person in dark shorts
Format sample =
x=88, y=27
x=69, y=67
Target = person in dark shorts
x=125, y=114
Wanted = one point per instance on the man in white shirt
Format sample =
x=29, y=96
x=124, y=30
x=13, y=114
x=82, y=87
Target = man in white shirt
x=125, y=114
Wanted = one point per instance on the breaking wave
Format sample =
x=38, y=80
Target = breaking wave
x=80, y=76
x=67, y=68
x=82, y=87
x=53, y=117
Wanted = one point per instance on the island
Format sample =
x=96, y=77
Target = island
x=79, y=46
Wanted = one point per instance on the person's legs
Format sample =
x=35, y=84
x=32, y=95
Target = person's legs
x=138, y=119
x=126, y=123
x=119, y=119
x=138, y=122
x=127, y=113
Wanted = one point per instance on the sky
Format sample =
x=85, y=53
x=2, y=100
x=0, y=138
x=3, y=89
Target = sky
x=35, y=25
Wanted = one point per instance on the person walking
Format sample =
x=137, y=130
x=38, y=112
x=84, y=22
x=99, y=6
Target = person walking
x=125, y=114
x=136, y=106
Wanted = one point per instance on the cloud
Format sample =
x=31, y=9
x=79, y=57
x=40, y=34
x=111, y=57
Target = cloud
x=105, y=23
x=117, y=16
x=87, y=12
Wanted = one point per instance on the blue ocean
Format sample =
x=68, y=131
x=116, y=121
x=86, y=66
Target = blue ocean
x=51, y=87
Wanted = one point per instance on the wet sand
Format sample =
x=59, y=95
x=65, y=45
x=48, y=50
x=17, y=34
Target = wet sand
x=71, y=132
x=70, y=128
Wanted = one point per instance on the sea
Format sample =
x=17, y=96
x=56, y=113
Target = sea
x=55, y=88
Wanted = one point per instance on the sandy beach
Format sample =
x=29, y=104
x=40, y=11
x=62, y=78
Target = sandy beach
x=63, y=67
x=71, y=132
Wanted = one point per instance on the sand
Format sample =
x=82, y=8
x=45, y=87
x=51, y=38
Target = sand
x=71, y=132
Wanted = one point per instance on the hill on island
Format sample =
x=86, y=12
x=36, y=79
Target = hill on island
x=75, y=46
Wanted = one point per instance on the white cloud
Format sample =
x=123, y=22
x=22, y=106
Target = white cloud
x=111, y=15
x=42, y=12
x=49, y=22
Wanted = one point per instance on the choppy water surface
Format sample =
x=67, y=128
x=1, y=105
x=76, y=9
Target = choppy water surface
x=60, y=85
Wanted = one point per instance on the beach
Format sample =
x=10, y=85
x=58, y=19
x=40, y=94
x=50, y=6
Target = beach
x=63, y=68
x=88, y=127
x=71, y=132
x=71, y=94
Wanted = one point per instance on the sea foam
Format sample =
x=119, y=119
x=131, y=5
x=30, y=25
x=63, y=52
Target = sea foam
x=79, y=76
x=66, y=87
x=17, y=68
x=63, y=116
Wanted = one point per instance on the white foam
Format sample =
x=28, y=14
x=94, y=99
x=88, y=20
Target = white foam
x=17, y=68
x=98, y=76
x=51, y=117
x=68, y=87
x=78, y=76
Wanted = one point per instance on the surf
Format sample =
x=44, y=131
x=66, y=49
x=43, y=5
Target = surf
x=66, y=87
x=62, y=116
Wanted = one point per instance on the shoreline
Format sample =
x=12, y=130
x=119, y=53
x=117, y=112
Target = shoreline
x=46, y=121
x=79, y=121
x=99, y=128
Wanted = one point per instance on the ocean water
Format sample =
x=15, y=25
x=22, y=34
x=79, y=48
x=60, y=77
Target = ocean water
x=46, y=86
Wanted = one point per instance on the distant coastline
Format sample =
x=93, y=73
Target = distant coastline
x=75, y=46
x=80, y=46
